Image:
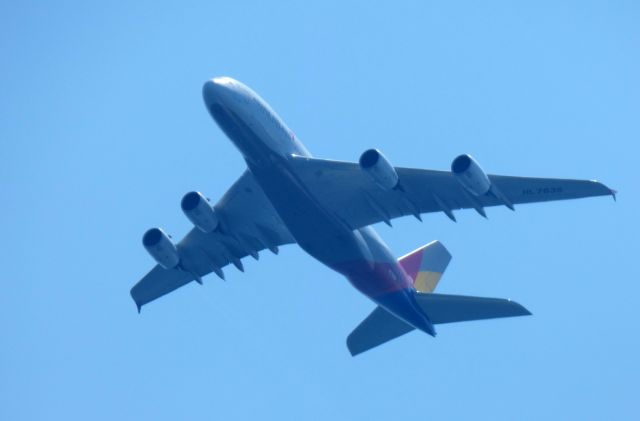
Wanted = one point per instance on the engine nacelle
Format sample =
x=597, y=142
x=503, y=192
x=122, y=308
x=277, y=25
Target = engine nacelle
x=199, y=211
x=378, y=167
x=470, y=175
x=161, y=248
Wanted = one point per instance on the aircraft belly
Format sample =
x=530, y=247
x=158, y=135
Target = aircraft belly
x=360, y=255
x=315, y=230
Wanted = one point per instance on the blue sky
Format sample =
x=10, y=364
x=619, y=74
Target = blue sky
x=103, y=129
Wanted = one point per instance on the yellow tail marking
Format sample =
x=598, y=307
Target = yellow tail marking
x=426, y=281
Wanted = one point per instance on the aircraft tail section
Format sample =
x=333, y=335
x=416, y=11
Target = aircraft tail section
x=445, y=308
x=379, y=327
x=426, y=265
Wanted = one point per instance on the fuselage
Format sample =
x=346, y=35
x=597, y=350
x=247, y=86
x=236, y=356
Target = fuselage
x=267, y=146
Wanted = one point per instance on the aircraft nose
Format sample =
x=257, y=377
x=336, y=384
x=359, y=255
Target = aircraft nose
x=216, y=89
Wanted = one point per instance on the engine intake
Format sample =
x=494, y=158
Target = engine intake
x=161, y=248
x=470, y=175
x=197, y=208
x=379, y=169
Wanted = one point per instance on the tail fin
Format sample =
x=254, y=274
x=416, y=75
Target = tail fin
x=426, y=265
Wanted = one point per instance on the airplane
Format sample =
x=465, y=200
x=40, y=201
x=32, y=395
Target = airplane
x=327, y=207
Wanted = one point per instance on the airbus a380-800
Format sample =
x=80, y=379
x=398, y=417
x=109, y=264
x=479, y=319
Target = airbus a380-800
x=327, y=207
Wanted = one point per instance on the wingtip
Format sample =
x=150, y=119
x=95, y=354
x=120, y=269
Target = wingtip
x=520, y=309
x=133, y=297
x=523, y=310
x=353, y=350
x=604, y=189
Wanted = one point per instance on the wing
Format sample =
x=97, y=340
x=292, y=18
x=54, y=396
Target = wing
x=248, y=224
x=351, y=194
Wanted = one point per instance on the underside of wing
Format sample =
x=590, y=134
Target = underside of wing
x=352, y=194
x=247, y=224
x=158, y=282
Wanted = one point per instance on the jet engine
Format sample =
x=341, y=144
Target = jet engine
x=197, y=208
x=379, y=169
x=161, y=248
x=470, y=175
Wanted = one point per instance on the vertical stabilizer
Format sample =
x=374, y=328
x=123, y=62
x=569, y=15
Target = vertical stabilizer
x=426, y=265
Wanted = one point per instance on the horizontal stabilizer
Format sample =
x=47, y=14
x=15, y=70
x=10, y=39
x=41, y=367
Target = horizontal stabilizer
x=379, y=327
x=443, y=308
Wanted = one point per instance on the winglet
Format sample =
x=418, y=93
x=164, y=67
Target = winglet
x=613, y=194
x=139, y=304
